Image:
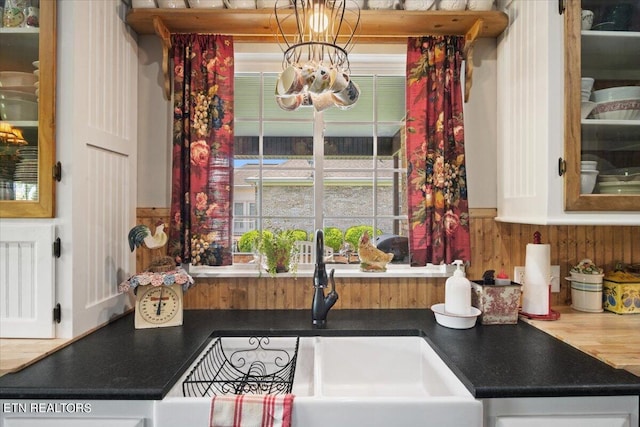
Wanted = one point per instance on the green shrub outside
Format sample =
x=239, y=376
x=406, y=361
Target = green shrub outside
x=333, y=238
x=300, y=235
x=354, y=233
x=247, y=242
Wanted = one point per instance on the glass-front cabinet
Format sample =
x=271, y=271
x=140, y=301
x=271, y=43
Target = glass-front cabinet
x=602, y=80
x=27, y=108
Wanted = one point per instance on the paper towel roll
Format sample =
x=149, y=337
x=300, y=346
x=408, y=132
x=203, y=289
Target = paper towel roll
x=537, y=277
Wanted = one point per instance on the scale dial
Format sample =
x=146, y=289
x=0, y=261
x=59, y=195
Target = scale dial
x=159, y=306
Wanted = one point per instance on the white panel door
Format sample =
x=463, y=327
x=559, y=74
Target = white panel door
x=26, y=280
x=565, y=421
x=98, y=133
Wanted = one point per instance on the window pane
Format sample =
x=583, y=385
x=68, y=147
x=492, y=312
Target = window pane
x=246, y=95
x=245, y=141
x=389, y=140
x=348, y=140
x=362, y=176
x=390, y=193
x=390, y=98
x=271, y=108
x=348, y=192
x=362, y=111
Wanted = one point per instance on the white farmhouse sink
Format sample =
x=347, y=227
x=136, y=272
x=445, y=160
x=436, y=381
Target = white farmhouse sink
x=358, y=381
x=382, y=367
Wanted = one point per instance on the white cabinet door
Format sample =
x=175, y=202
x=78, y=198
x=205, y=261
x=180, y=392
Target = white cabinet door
x=26, y=282
x=97, y=134
x=587, y=411
x=76, y=413
x=571, y=421
x=73, y=422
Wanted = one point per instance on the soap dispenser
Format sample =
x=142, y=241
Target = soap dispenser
x=457, y=292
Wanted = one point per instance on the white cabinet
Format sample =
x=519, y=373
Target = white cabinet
x=592, y=411
x=76, y=413
x=531, y=123
x=97, y=134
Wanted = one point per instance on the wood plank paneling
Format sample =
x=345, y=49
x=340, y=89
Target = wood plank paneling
x=494, y=245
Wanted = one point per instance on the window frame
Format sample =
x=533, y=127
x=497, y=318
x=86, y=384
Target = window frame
x=391, y=65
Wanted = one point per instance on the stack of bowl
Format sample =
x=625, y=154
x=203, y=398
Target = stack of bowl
x=620, y=181
x=617, y=103
x=586, y=85
x=588, y=176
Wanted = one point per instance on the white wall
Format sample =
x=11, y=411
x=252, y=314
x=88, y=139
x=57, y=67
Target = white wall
x=154, y=115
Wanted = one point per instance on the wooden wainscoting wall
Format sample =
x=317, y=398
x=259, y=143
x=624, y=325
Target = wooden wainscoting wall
x=494, y=245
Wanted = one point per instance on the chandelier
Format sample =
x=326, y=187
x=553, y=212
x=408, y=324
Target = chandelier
x=316, y=37
x=10, y=135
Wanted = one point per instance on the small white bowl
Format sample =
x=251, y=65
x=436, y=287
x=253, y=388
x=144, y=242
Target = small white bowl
x=586, y=108
x=588, y=165
x=240, y=4
x=480, y=4
x=143, y=4
x=354, y=4
x=452, y=4
x=266, y=4
x=418, y=4
x=588, y=181
x=380, y=4
x=206, y=4
x=172, y=4
x=455, y=321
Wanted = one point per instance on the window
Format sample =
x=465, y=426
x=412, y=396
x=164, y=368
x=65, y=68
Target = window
x=303, y=170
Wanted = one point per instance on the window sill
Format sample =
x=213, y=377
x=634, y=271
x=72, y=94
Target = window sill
x=342, y=271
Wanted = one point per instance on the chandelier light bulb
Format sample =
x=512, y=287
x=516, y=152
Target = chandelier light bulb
x=318, y=20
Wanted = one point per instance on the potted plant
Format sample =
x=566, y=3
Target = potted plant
x=277, y=248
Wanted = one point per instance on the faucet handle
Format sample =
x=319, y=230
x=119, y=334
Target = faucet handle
x=333, y=282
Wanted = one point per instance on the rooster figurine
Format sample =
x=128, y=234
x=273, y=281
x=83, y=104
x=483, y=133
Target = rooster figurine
x=140, y=234
x=372, y=258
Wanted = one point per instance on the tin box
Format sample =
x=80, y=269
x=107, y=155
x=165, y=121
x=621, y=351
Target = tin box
x=621, y=293
x=499, y=304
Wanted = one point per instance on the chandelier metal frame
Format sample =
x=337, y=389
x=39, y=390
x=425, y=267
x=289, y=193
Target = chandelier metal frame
x=317, y=31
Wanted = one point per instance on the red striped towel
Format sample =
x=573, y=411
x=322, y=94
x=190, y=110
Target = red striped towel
x=244, y=410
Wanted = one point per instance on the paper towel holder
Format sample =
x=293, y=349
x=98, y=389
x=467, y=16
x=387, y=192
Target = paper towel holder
x=552, y=314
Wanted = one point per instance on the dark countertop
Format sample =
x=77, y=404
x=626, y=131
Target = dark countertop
x=120, y=362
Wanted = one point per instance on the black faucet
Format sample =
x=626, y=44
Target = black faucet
x=321, y=304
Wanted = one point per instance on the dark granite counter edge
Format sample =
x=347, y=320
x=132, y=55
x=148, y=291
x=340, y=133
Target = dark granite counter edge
x=194, y=336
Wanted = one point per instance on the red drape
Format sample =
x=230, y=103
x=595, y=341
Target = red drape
x=437, y=183
x=202, y=173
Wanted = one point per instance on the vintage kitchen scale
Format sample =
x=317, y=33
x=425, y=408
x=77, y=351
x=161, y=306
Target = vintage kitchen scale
x=158, y=306
x=159, y=296
x=159, y=288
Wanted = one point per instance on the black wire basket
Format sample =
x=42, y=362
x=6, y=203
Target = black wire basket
x=263, y=366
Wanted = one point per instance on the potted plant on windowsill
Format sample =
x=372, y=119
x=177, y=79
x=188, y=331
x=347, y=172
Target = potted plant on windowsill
x=277, y=249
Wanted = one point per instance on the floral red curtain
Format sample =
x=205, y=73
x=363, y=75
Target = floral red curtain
x=437, y=183
x=202, y=173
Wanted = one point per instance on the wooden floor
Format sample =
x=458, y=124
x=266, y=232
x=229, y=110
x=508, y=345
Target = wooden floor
x=16, y=354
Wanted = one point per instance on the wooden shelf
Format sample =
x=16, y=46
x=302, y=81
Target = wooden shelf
x=377, y=26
